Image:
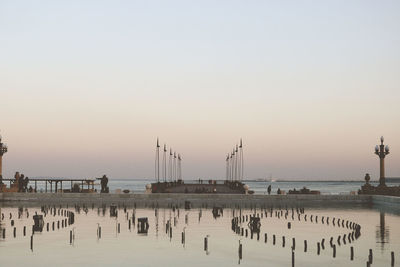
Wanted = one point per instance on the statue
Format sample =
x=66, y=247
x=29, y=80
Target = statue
x=367, y=178
x=104, y=183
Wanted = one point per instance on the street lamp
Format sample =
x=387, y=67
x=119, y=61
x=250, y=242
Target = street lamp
x=3, y=150
x=382, y=150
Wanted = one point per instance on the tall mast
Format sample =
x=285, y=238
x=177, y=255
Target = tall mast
x=165, y=163
x=174, y=172
x=236, y=163
x=170, y=165
x=233, y=165
x=227, y=167
x=241, y=160
x=157, y=163
x=179, y=167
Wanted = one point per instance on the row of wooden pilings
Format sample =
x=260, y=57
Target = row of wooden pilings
x=348, y=224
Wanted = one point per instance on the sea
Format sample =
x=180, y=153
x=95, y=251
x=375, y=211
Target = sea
x=260, y=187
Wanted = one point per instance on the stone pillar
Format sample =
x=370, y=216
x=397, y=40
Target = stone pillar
x=382, y=171
x=1, y=166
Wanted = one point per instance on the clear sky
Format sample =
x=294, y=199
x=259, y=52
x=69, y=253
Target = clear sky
x=87, y=86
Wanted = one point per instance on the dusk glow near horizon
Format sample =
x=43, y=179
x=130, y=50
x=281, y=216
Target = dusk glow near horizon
x=86, y=87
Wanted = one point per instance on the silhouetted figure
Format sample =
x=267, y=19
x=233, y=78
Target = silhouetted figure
x=269, y=190
x=25, y=186
x=104, y=183
x=279, y=191
x=21, y=183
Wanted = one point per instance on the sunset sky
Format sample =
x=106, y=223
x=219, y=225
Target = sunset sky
x=86, y=87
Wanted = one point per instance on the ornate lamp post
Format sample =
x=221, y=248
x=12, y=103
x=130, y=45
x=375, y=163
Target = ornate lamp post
x=382, y=150
x=3, y=150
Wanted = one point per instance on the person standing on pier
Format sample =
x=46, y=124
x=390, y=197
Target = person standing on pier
x=269, y=190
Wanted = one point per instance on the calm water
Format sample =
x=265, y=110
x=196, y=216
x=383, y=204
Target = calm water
x=126, y=247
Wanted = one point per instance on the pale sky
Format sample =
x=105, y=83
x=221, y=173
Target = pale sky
x=87, y=86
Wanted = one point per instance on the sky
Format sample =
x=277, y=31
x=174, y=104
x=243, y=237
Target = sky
x=86, y=87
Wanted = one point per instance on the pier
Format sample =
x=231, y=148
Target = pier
x=58, y=184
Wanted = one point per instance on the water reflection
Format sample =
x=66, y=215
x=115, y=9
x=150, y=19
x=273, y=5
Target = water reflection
x=225, y=234
x=382, y=231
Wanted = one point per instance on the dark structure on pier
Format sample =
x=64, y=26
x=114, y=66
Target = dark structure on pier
x=211, y=187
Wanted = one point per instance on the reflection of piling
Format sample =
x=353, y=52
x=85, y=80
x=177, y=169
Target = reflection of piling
x=265, y=238
x=240, y=250
x=293, y=243
x=351, y=253
x=283, y=241
x=98, y=231
x=334, y=251
x=305, y=245
x=370, y=257
x=318, y=248
x=32, y=242
x=292, y=258
x=70, y=236
x=273, y=239
x=392, y=258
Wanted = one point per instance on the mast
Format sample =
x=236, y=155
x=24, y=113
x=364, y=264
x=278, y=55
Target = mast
x=179, y=167
x=241, y=160
x=165, y=163
x=227, y=167
x=170, y=165
x=157, y=163
x=236, y=163
x=174, y=171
